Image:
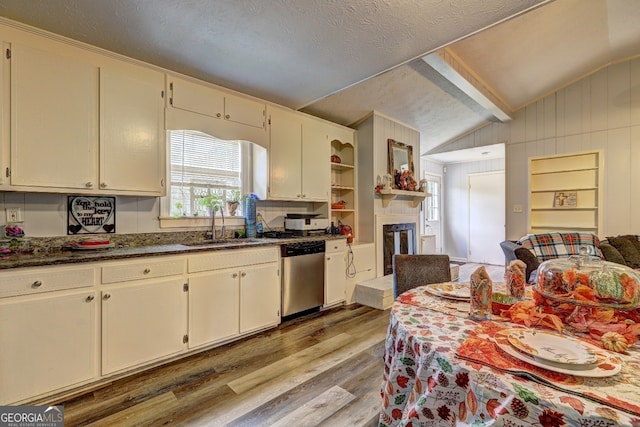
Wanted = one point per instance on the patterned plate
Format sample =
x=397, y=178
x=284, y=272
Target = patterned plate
x=452, y=290
x=552, y=347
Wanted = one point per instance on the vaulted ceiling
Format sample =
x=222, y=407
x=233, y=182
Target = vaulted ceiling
x=341, y=59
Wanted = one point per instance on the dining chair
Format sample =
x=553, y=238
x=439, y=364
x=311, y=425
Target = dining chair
x=410, y=271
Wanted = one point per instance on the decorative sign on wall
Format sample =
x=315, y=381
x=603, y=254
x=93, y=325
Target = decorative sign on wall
x=91, y=215
x=565, y=199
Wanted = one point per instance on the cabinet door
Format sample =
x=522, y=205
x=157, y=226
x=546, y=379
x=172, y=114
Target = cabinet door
x=245, y=111
x=335, y=278
x=259, y=297
x=214, y=307
x=132, y=141
x=285, y=155
x=48, y=342
x=141, y=323
x=197, y=98
x=316, y=172
x=54, y=114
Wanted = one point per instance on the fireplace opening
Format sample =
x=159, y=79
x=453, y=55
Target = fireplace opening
x=397, y=239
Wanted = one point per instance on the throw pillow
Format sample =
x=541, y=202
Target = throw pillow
x=634, y=240
x=627, y=250
x=611, y=254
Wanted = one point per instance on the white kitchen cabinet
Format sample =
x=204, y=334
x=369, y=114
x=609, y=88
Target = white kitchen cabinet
x=259, y=297
x=142, y=322
x=297, y=151
x=335, y=272
x=214, y=307
x=54, y=118
x=48, y=343
x=206, y=100
x=132, y=137
x=232, y=293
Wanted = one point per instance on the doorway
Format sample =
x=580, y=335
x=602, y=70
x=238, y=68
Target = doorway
x=433, y=212
x=486, y=217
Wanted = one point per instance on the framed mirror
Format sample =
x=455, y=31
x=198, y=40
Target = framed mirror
x=401, y=165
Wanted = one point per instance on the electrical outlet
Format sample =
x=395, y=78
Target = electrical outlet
x=14, y=215
x=517, y=208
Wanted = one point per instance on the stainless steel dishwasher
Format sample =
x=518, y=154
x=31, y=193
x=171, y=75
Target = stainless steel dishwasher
x=302, y=276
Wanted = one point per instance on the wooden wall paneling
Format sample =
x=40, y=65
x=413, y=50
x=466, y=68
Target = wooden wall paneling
x=634, y=178
x=573, y=108
x=516, y=171
x=560, y=112
x=586, y=106
x=517, y=127
x=540, y=119
x=531, y=122
x=634, y=84
x=618, y=189
x=618, y=99
x=549, y=116
x=599, y=100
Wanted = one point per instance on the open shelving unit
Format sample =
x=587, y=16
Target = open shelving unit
x=343, y=182
x=565, y=192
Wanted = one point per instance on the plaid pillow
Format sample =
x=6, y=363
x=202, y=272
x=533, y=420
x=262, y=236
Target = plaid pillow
x=545, y=246
x=574, y=241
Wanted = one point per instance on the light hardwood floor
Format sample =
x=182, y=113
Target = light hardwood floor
x=322, y=369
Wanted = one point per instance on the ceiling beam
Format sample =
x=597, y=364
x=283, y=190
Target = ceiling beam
x=454, y=70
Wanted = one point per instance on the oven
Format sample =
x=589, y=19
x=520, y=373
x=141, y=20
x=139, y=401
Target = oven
x=302, y=276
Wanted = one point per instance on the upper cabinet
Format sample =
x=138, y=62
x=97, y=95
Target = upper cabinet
x=297, y=149
x=54, y=119
x=206, y=100
x=80, y=122
x=132, y=136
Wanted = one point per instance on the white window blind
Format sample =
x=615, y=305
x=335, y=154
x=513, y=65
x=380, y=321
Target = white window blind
x=202, y=165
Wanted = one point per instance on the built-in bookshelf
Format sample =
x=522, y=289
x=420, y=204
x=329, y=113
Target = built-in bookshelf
x=565, y=192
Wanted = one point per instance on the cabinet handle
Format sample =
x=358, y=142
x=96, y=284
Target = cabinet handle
x=328, y=258
x=89, y=298
x=103, y=185
x=227, y=116
x=235, y=275
x=106, y=296
x=36, y=284
x=304, y=195
x=243, y=274
x=146, y=271
x=89, y=185
x=218, y=115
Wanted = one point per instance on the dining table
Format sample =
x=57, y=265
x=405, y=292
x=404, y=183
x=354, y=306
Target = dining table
x=441, y=368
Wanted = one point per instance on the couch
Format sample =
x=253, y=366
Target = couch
x=534, y=249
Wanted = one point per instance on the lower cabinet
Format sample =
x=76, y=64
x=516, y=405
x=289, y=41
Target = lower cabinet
x=335, y=276
x=48, y=342
x=229, y=302
x=142, y=323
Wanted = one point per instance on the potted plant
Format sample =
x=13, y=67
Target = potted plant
x=211, y=203
x=233, y=201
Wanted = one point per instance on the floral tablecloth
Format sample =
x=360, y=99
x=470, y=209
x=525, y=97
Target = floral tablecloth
x=426, y=384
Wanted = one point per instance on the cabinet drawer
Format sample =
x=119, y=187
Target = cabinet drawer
x=338, y=245
x=136, y=270
x=232, y=258
x=37, y=280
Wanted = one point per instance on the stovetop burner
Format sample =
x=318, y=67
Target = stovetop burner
x=278, y=234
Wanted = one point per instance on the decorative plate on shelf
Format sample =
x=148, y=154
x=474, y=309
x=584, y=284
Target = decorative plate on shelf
x=552, y=347
x=452, y=290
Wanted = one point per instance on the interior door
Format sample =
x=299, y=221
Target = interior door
x=486, y=217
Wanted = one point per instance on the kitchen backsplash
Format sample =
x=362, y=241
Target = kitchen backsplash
x=45, y=215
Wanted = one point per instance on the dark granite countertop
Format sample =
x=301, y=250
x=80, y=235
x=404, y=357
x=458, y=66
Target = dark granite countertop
x=59, y=257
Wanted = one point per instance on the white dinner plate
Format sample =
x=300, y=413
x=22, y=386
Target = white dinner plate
x=552, y=347
x=607, y=365
x=452, y=290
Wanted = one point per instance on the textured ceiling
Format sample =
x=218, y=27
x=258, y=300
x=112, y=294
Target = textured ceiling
x=341, y=59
